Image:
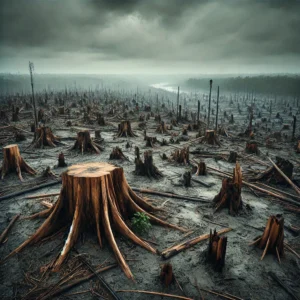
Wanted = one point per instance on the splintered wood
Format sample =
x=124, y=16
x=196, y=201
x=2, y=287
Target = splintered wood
x=95, y=195
x=217, y=250
x=272, y=239
x=124, y=130
x=84, y=143
x=230, y=193
x=13, y=161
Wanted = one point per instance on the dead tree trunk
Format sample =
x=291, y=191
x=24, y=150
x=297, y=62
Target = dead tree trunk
x=13, y=161
x=201, y=169
x=210, y=138
x=146, y=168
x=150, y=141
x=95, y=195
x=84, y=143
x=44, y=137
x=217, y=250
x=230, y=193
x=162, y=128
x=117, y=153
x=181, y=156
x=166, y=274
x=124, y=130
x=272, y=239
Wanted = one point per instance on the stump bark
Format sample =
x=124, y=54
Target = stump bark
x=13, y=161
x=44, y=137
x=210, y=138
x=146, y=167
x=124, y=130
x=201, y=169
x=117, y=153
x=251, y=147
x=230, y=193
x=272, y=239
x=84, y=143
x=61, y=160
x=162, y=128
x=166, y=274
x=217, y=250
x=181, y=155
x=93, y=196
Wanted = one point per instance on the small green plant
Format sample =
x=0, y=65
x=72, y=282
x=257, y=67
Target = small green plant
x=140, y=222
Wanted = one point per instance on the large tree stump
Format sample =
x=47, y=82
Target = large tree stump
x=84, y=143
x=230, y=193
x=273, y=176
x=272, y=239
x=146, y=167
x=217, y=250
x=210, y=138
x=166, y=274
x=181, y=155
x=13, y=161
x=201, y=169
x=44, y=137
x=95, y=195
x=124, y=130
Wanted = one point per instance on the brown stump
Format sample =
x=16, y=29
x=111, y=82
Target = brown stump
x=162, y=128
x=272, y=239
x=251, y=147
x=230, y=193
x=44, y=137
x=61, y=160
x=95, y=195
x=84, y=143
x=166, y=274
x=174, y=122
x=100, y=120
x=13, y=161
x=187, y=178
x=181, y=156
x=201, y=169
x=150, y=141
x=124, y=130
x=117, y=153
x=146, y=168
x=232, y=157
x=210, y=138
x=217, y=250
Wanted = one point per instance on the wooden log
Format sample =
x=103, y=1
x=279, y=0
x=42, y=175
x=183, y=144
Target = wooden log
x=7, y=229
x=272, y=239
x=169, y=252
x=13, y=161
x=109, y=200
x=155, y=293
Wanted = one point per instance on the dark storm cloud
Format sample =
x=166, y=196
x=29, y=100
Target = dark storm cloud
x=155, y=34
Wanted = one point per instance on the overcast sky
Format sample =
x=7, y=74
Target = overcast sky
x=150, y=36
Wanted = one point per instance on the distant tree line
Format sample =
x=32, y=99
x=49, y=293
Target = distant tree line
x=271, y=85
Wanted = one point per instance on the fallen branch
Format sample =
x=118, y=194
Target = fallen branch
x=169, y=252
x=155, y=293
x=6, y=230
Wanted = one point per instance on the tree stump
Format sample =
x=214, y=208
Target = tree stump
x=19, y=136
x=217, y=250
x=232, y=157
x=61, y=110
x=210, y=138
x=174, y=122
x=84, y=143
x=162, y=128
x=44, y=137
x=201, y=169
x=251, y=147
x=13, y=161
x=181, y=156
x=150, y=141
x=272, y=239
x=61, y=160
x=124, y=130
x=230, y=193
x=117, y=153
x=95, y=195
x=166, y=274
x=146, y=168
x=186, y=178
x=298, y=147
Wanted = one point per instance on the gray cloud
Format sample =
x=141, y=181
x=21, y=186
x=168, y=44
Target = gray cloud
x=157, y=36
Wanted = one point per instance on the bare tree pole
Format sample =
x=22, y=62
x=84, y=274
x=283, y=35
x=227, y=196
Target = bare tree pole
x=209, y=102
x=198, y=113
x=178, y=103
x=31, y=68
x=217, y=114
x=294, y=127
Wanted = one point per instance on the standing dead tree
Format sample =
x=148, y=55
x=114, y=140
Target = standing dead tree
x=109, y=200
x=13, y=161
x=84, y=143
x=230, y=193
x=124, y=130
x=272, y=239
x=146, y=167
